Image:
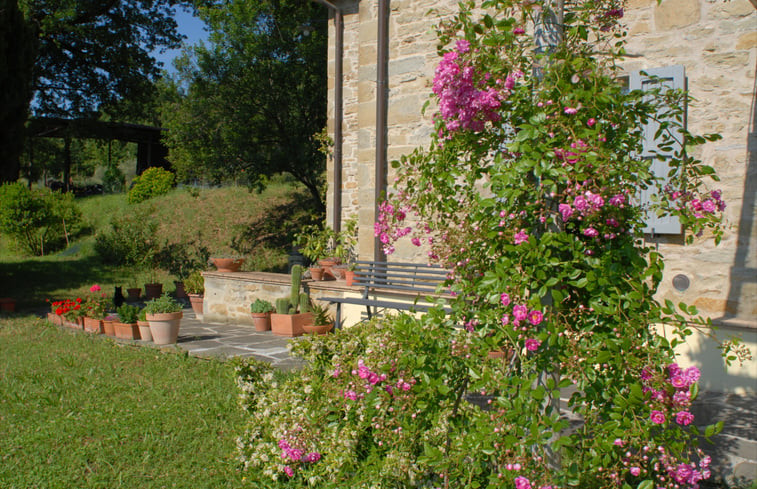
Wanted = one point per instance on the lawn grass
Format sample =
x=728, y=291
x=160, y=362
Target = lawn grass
x=84, y=411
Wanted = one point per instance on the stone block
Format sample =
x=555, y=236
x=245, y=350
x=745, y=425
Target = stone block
x=747, y=41
x=671, y=14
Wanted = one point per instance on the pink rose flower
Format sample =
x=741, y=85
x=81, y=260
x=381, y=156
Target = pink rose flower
x=535, y=317
x=95, y=288
x=532, y=344
x=520, y=312
x=657, y=417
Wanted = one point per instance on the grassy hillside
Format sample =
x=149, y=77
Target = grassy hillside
x=230, y=220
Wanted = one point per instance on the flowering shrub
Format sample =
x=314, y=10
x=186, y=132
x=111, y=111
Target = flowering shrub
x=97, y=303
x=529, y=195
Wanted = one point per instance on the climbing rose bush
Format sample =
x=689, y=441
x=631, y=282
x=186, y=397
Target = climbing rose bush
x=548, y=372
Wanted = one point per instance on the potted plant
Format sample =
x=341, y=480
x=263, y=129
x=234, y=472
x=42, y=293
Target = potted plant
x=109, y=327
x=346, y=250
x=314, y=245
x=294, y=311
x=194, y=284
x=144, y=326
x=96, y=306
x=126, y=327
x=261, y=314
x=323, y=321
x=227, y=263
x=133, y=291
x=164, y=315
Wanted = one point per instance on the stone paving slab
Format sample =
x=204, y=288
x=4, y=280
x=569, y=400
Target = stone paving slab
x=224, y=341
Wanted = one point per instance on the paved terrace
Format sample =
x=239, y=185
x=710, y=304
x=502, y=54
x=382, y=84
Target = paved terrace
x=217, y=340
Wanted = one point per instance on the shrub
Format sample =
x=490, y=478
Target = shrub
x=152, y=183
x=162, y=304
x=130, y=241
x=39, y=220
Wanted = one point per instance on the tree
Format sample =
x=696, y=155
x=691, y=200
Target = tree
x=81, y=56
x=249, y=104
x=16, y=62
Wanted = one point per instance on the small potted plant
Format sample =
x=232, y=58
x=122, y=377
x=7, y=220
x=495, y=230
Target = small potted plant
x=323, y=321
x=314, y=245
x=261, y=314
x=126, y=327
x=133, y=291
x=294, y=311
x=164, y=315
x=194, y=284
x=144, y=326
x=109, y=322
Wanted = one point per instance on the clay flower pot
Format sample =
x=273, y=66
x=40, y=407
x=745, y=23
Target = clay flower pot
x=318, y=329
x=290, y=324
x=153, y=291
x=261, y=320
x=109, y=328
x=349, y=277
x=132, y=294
x=227, y=264
x=316, y=273
x=165, y=327
x=144, y=330
x=92, y=325
x=126, y=331
x=196, y=301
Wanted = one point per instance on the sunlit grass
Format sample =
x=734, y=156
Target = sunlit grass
x=83, y=411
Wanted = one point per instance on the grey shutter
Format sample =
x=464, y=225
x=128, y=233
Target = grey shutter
x=671, y=77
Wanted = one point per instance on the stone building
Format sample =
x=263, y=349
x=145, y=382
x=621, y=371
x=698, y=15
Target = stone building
x=381, y=64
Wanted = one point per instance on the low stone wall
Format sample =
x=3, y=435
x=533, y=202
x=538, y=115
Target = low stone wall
x=228, y=295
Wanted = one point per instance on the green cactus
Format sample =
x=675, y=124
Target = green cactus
x=304, y=302
x=282, y=306
x=294, y=293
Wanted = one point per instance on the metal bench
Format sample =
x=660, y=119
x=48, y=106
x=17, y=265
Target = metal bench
x=382, y=282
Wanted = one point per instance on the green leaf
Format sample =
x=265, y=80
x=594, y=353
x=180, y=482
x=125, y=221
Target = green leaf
x=646, y=484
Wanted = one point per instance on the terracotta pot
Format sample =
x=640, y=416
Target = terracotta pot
x=153, y=291
x=108, y=328
x=132, y=294
x=93, y=325
x=57, y=320
x=349, y=277
x=261, y=320
x=126, y=331
x=227, y=264
x=144, y=330
x=80, y=322
x=180, y=292
x=7, y=304
x=196, y=301
x=316, y=274
x=290, y=324
x=165, y=327
x=319, y=329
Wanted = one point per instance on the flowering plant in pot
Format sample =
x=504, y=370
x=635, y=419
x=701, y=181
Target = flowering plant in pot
x=315, y=244
x=164, y=315
x=126, y=327
x=261, y=314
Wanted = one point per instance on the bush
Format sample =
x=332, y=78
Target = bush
x=39, y=220
x=130, y=241
x=152, y=183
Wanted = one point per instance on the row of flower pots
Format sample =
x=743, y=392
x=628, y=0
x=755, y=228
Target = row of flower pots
x=161, y=329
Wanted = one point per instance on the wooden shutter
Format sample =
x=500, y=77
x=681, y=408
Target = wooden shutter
x=669, y=77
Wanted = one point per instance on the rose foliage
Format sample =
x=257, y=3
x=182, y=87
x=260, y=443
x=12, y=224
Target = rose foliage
x=529, y=195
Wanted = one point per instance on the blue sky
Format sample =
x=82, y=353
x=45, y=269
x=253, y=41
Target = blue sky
x=190, y=26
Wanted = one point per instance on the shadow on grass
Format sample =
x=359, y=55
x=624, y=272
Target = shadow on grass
x=32, y=281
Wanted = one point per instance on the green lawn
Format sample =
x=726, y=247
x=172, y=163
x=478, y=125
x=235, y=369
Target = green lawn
x=81, y=411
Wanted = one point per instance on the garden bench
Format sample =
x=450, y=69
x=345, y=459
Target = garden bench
x=385, y=284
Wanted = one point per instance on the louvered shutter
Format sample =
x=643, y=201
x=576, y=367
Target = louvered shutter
x=669, y=77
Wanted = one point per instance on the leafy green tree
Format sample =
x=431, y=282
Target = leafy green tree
x=74, y=58
x=248, y=105
x=16, y=62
